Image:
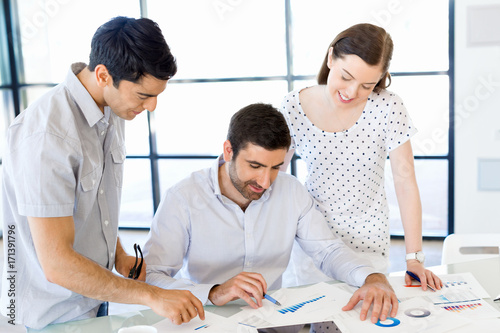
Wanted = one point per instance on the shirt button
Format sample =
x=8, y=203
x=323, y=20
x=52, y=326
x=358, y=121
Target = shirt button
x=101, y=191
x=103, y=132
x=106, y=223
x=111, y=254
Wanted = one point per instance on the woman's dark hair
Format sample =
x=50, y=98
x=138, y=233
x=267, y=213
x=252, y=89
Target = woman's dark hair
x=259, y=124
x=131, y=48
x=369, y=42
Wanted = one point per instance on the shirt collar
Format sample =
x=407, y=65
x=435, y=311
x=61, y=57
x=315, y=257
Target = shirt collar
x=82, y=97
x=214, y=175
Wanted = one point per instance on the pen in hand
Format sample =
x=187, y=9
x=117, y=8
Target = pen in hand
x=413, y=275
x=272, y=300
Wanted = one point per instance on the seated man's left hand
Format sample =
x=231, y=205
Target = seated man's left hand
x=376, y=291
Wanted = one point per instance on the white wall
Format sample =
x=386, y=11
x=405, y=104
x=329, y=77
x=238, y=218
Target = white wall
x=477, y=126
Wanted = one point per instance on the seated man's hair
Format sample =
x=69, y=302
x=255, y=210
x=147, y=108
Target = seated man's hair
x=131, y=48
x=259, y=124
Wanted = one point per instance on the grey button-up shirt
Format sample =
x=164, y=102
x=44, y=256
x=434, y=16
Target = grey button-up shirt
x=64, y=157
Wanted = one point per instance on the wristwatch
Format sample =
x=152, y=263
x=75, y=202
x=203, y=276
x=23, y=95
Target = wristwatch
x=418, y=256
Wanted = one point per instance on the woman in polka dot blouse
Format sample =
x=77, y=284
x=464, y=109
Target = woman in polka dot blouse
x=344, y=128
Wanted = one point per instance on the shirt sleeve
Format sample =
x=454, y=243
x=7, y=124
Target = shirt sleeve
x=45, y=176
x=167, y=246
x=400, y=127
x=328, y=252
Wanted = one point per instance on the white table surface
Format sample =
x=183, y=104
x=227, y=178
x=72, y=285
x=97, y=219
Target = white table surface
x=486, y=271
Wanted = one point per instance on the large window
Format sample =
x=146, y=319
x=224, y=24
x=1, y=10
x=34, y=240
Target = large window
x=230, y=54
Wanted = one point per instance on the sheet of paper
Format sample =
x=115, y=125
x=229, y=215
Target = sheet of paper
x=414, y=315
x=473, y=310
x=310, y=304
x=461, y=287
x=212, y=323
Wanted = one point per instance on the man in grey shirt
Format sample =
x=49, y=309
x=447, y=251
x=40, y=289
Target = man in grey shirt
x=62, y=180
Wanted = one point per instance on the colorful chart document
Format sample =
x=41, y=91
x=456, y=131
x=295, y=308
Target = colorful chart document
x=414, y=315
x=462, y=287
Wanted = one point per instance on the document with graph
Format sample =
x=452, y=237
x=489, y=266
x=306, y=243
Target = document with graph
x=414, y=315
x=315, y=303
x=462, y=287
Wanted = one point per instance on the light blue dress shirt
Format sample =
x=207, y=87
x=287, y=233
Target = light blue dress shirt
x=64, y=157
x=199, y=237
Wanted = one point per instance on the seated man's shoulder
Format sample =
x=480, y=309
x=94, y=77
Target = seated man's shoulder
x=196, y=181
x=289, y=182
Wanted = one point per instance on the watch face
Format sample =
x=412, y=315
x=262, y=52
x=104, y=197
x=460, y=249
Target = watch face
x=420, y=256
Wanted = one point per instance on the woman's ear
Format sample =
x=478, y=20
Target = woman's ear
x=329, y=63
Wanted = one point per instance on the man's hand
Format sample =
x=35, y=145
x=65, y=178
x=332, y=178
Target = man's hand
x=426, y=276
x=243, y=285
x=180, y=306
x=378, y=291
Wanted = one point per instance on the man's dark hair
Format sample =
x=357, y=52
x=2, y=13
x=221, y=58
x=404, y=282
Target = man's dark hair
x=259, y=124
x=131, y=48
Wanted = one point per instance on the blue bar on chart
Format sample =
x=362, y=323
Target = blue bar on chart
x=295, y=307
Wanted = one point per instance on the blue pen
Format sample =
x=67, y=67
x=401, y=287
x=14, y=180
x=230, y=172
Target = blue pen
x=203, y=326
x=416, y=278
x=272, y=300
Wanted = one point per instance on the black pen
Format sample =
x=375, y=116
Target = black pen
x=416, y=278
x=497, y=299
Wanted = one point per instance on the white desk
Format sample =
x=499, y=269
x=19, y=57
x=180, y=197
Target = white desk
x=486, y=271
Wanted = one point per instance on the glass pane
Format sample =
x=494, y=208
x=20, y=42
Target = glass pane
x=301, y=84
x=430, y=114
x=137, y=196
x=192, y=119
x=137, y=135
x=173, y=171
x=418, y=45
x=6, y=116
x=31, y=94
x=432, y=179
x=301, y=170
x=214, y=39
x=4, y=51
x=406, y=21
x=48, y=37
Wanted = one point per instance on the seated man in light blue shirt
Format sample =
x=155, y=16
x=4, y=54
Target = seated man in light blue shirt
x=227, y=232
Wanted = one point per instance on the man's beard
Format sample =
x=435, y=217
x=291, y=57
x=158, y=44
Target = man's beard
x=243, y=187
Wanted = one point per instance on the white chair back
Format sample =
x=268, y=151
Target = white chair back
x=467, y=247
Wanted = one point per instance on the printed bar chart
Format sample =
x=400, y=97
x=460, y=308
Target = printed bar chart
x=293, y=308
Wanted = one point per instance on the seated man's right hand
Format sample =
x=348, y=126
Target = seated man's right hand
x=180, y=306
x=244, y=285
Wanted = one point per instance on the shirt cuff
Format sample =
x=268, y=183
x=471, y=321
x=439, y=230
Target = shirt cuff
x=360, y=274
